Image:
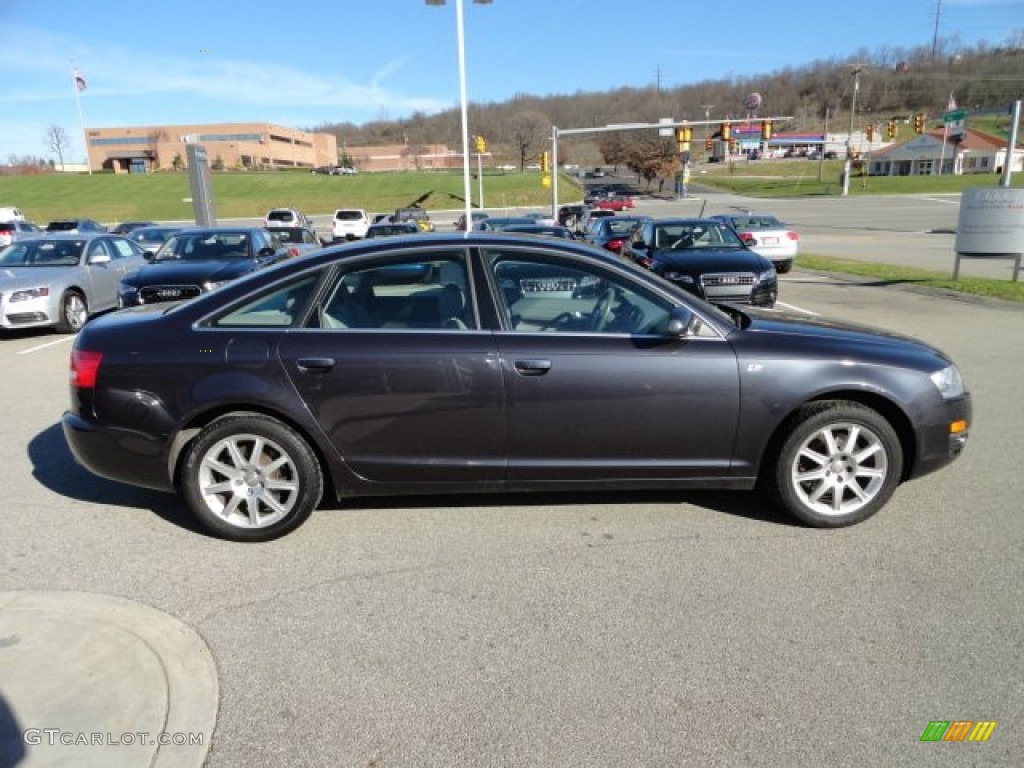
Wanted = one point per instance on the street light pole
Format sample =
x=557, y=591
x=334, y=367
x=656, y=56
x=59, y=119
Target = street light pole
x=849, y=136
x=463, y=102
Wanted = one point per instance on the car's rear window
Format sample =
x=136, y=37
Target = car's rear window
x=349, y=215
x=6, y=226
x=61, y=226
x=280, y=216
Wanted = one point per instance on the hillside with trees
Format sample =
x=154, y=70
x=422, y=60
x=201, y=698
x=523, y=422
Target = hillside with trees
x=893, y=82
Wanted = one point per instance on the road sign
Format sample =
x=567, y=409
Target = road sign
x=954, y=115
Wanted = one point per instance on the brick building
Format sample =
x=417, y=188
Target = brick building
x=139, y=149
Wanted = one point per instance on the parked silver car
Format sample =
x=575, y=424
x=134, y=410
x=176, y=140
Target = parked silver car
x=61, y=280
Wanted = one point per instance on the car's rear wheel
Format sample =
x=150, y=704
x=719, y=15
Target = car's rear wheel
x=783, y=267
x=74, y=312
x=838, y=464
x=248, y=477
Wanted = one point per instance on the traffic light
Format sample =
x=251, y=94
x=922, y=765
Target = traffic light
x=481, y=145
x=726, y=131
x=709, y=144
x=766, y=130
x=919, y=123
x=890, y=129
x=545, y=162
x=683, y=135
x=869, y=132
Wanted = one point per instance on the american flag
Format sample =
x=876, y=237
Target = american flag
x=79, y=80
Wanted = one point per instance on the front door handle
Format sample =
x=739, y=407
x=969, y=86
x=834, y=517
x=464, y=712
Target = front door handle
x=315, y=364
x=533, y=367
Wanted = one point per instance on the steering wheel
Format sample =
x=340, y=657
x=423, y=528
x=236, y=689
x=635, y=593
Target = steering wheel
x=602, y=309
x=558, y=321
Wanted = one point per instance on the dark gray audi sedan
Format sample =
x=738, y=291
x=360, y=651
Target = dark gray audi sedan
x=479, y=362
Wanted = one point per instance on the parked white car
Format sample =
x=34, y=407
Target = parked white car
x=350, y=224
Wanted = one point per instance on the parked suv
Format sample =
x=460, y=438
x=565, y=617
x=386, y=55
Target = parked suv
x=350, y=224
x=286, y=217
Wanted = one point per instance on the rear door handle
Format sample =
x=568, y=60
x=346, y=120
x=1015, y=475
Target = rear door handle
x=315, y=364
x=533, y=367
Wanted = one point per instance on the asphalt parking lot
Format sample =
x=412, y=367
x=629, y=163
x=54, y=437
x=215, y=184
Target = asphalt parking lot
x=614, y=629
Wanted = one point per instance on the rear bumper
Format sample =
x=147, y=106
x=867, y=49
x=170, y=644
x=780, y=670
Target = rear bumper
x=118, y=454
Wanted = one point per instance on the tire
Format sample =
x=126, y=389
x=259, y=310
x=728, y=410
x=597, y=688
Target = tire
x=74, y=312
x=784, y=267
x=226, y=483
x=816, y=478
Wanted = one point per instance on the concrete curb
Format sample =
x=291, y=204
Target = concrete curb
x=93, y=680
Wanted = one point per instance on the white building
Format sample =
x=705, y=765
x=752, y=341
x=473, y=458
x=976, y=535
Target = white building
x=924, y=155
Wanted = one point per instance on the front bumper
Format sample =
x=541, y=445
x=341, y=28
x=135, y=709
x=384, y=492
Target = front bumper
x=937, y=444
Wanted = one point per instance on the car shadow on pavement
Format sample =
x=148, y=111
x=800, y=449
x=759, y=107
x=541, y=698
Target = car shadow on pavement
x=56, y=469
x=745, y=504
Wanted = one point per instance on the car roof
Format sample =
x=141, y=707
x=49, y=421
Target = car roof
x=73, y=236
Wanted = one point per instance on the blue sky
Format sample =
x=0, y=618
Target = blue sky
x=305, y=63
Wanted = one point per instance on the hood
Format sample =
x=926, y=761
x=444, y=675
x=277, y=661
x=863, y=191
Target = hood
x=190, y=272
x=702, y=260
x=831, y=333
x=17, y=278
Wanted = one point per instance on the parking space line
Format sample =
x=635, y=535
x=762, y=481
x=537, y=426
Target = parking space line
x=30, y=350
x=795, y=308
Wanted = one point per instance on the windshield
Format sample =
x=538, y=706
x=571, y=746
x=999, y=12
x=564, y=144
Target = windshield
x=205, y=246
x=42, y=253
x=687, y=236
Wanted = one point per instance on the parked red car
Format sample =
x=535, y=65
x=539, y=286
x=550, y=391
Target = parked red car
x=615, y=203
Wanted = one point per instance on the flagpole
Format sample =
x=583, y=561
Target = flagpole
x=76, y=84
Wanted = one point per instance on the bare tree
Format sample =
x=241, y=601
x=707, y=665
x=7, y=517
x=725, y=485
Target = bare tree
x=57, y=141
x=528, y=132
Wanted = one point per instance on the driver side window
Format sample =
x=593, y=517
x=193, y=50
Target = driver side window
x=542, y=294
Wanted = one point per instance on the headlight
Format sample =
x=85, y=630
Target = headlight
x=949, y=382
x=678, y=277
x=30, y=293
x=766, y=276
x=210, y=285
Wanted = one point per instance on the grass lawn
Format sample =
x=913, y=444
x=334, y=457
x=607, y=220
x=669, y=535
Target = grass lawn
x=974, y=286
x=162, y=196
x=800, y=178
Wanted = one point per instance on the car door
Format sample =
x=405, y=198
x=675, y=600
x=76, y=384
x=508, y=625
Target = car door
x=596, y=389
x=393, y=366
x=103, y=273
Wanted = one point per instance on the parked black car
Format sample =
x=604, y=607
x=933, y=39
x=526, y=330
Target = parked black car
x=705, y=257
x=613, y=232
x=491, y=362
x=192, y=261
x=75, y=226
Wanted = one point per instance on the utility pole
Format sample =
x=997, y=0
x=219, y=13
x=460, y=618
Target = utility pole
x=935, y=34
x=849, y=137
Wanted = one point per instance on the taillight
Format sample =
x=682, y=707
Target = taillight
x=792, y=235
x=84, y=367
x=748, y=238
x=614, y=245
x=293, y=252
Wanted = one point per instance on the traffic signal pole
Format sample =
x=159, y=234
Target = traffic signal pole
x=557, y=132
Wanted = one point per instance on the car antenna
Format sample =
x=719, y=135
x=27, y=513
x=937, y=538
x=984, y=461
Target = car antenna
x=702, y=206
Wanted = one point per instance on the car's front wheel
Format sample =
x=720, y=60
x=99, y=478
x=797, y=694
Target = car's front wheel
x=249, y=477
x=73, y=312
x=838, y=464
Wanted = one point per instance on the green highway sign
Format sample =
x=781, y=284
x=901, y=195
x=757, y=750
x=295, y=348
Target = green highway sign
x=954, y=115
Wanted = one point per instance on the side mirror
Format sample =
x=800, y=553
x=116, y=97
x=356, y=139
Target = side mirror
x=266, y=253
x=149, y=255
x=679, y=322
